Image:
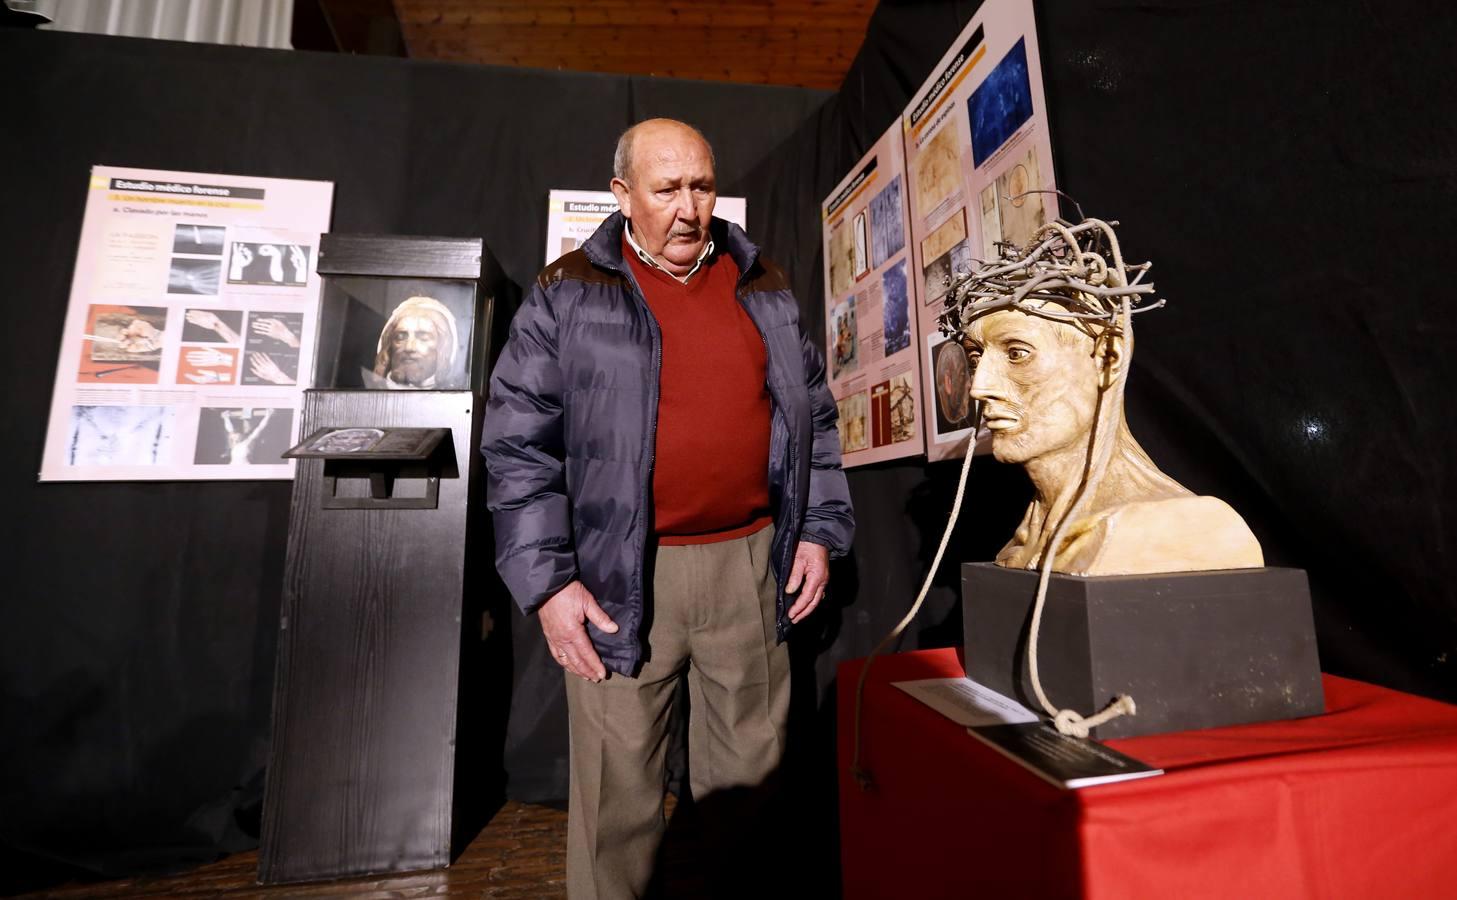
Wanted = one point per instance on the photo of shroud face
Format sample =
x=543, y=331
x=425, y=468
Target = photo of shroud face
x=193, y=276
x=199, y=240
x=242, y=436
x=1000, y=104
x=346, y=440
x=396, y=334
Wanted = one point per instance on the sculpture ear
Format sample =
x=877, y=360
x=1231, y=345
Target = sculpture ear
x=1112, y=357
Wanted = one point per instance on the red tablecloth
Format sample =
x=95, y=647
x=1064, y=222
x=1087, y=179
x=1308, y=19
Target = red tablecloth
x=1360, y=802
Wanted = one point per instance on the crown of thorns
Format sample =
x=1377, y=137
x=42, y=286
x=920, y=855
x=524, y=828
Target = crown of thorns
x=1069, y=272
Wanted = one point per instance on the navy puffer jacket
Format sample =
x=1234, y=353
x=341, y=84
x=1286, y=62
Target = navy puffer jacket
x=570, y=429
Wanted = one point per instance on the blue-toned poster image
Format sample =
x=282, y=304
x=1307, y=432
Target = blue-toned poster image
x=887, y=224
x=1000, y=104
x=896, y=311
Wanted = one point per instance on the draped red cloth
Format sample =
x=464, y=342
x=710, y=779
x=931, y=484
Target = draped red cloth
x=1360, y=802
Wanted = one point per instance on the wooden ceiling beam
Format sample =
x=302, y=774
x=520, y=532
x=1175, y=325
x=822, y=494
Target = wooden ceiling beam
x=794, y=42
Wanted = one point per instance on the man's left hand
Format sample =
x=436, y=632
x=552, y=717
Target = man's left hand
x=809, y=578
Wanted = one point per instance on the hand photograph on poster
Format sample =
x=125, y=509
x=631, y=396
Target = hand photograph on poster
x=269, y=263
x=193, y=276
x=204, y=365
x=238, y=436
x=844, y=339
x=198, y=240
x=396, y=334
x=122, y=344
x=887, y=224
x=272, y=348
x=212, y=326
x=895, y=309
x=120, y=435
x=1000, y=104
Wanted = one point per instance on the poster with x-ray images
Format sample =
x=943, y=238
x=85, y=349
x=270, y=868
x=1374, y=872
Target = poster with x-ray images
x=572, y=216
x=189, y=333
x=872, y=348
x=979, y=170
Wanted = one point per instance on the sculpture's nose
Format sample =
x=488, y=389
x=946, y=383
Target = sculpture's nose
x=988, y=378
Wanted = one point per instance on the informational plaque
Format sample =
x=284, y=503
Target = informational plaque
x=190, y=327
x=572, y=216
x=979, y=164
x=872, y=347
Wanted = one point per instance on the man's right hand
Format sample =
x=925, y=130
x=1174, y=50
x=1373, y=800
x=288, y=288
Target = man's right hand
x=562, y=619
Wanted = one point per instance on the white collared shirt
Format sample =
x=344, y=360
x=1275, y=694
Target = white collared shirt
x=649, y=260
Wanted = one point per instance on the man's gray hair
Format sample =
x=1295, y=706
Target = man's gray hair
x=622, y=158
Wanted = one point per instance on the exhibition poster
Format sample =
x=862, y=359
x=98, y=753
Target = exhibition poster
x=189, y=334
x=873, y=346
x=572, y=216
x=976, y=142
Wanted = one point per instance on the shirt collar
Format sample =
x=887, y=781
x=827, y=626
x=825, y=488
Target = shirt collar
x=648, y=259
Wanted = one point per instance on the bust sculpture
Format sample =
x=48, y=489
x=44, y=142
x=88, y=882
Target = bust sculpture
x=1048, y=332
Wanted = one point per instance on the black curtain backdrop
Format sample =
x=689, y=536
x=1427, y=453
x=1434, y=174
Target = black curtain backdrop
x=1289, y=168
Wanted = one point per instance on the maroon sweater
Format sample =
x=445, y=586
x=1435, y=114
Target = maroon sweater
x=711, y=469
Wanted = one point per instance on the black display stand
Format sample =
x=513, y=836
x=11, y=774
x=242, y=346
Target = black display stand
x=362, y=763
x=1193, y=649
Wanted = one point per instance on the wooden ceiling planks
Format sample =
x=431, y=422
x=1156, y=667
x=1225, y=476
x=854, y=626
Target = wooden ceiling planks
x=808, y=43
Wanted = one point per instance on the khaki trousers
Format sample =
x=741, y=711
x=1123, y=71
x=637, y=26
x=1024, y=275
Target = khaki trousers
x=712, y=618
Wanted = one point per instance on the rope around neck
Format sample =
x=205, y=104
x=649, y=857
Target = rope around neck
x=1069, y=721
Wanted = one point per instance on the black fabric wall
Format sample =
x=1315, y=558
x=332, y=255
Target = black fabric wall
x=1288, y=167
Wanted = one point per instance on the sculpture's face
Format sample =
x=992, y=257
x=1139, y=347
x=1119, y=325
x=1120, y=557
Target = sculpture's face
x=414, y=350
x=1037, y=381
x=670, y=196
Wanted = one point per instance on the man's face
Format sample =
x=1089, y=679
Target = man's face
x=414, y=350
x=670, y=195
x=1038, y=393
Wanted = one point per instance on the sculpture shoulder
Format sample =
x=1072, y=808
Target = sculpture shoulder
x=1181, y=534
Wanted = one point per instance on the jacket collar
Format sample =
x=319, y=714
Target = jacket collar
x=604, y=247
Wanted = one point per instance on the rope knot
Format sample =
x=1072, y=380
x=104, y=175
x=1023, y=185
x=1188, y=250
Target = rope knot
x=1070, y=723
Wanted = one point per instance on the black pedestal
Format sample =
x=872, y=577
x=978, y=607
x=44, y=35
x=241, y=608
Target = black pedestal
x=1193, y=649
x=361, y=768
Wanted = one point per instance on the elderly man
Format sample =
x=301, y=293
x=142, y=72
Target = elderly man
x=666, y=486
